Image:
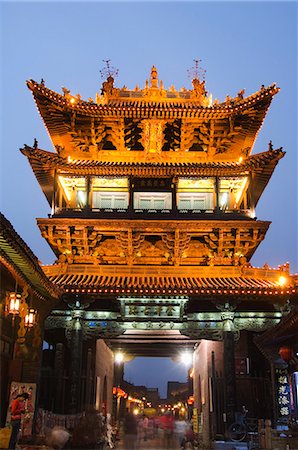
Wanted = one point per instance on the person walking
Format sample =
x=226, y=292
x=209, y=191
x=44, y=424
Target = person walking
x=130, y=429
x=17, y=409
x=181, y=427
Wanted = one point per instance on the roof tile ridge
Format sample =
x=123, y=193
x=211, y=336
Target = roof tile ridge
x=31, y=152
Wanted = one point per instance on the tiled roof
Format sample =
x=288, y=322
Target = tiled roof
x=153, y=284
x=122, y=106
x=15, y=253
x=68, y=118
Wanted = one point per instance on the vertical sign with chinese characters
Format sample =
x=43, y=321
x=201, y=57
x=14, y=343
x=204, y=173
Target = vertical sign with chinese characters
x=283, y=393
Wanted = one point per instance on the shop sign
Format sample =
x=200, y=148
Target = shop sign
x=144, y=308
x=283, y=392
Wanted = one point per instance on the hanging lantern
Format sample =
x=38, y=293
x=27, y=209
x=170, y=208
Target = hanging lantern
x=30, y=318
x=286, y=353
x=14, y=303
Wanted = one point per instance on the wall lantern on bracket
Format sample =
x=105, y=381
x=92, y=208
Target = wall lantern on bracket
x=30, y=318
x=13, y=306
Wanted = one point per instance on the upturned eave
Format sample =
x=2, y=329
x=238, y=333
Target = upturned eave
x=44, y=165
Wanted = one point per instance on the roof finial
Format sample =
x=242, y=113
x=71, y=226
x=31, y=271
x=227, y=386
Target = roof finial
x=108, y=71
x=154, y=78
x=196, y=72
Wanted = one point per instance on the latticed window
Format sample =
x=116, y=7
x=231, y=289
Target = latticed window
x=195, y=193
x=152, y=200
x=109, y=200
x=109, y=193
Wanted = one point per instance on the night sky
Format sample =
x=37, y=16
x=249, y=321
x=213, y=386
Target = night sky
x=241, y=45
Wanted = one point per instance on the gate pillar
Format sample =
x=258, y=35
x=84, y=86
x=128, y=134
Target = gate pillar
x=229, y=365
x=75, y=341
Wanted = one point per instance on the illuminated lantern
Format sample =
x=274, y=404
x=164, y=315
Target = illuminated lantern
x=286, y=353
x=14, y=303
x=30, y=318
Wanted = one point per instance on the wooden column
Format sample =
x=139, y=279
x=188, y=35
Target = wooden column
x=59, y=371
x=174, y=196
x=75, y=343
x=229, y=376
x=88, y=184
x=131, y=191
x=229, y=365
x=251, y=199
x=89, y=378
x=216, y=183
x=54, y=193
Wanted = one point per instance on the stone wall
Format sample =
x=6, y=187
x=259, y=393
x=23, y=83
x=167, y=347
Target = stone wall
x=104, y=376
x=203, y=383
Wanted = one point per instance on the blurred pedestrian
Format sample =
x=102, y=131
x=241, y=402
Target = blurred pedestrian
x=89, y=432
x=58, y=437
x=130, y=429
x=168, y=430
x=180, y=430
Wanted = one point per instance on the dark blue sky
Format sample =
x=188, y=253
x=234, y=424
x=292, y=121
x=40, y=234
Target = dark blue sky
x=241, y=44
x=154, y=372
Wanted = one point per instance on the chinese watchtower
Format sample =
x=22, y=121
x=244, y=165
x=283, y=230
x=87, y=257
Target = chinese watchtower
x=153, y=194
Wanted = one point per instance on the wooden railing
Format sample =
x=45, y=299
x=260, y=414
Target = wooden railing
x=273, y=439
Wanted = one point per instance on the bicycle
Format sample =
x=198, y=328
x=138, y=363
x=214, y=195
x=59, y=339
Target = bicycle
x=243, y=426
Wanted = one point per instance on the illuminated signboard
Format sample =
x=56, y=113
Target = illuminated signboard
x=283, y=393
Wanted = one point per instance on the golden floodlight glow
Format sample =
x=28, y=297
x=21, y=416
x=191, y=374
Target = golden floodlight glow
x=72, y=100
x=136, y=412
x=282, y=280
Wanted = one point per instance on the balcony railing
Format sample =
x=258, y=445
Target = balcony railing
x=157, y=213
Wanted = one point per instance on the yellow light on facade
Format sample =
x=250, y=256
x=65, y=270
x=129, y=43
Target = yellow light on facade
x=72, y=100
x=282, y=280
x=119, y=357
x=136, y=412
x=14, y=303
x=241, y=159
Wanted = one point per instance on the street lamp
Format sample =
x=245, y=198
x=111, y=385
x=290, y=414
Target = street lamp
x=119, y=357
x=186, y=358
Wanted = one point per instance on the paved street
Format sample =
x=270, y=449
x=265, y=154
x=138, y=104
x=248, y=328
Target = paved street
x=152, y=444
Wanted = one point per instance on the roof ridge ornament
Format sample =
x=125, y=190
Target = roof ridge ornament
x=108, y=70
x=154, y=78
x=197, y=73
x=109, y=73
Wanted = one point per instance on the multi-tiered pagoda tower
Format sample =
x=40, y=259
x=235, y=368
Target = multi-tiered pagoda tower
x=153, y=195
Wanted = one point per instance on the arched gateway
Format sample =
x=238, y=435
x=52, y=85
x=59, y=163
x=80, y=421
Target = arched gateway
x=153, y=195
